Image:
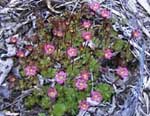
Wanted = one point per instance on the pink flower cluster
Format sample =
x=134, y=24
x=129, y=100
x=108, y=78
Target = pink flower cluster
x=52, y=92
x=20, y=53
x=108, y=54
x=30, y=70
x=94, y=6
x=105, y=13
x=49, y=48
x=122, y=72
x=85, y=75
x=13, y=40
x=87, y=35
x=60, y=77
x=58, y=32
x=29, y=47
x=84, y=105
x=86, y=24
x=136, y=33
x=72, y=52
x=95, y=97
x=81, y=84
x=81, y=81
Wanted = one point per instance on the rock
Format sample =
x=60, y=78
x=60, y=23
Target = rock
x=4, y=92
x=5, y=68
x=3, y=2
x=11, y=51
x=2, y=114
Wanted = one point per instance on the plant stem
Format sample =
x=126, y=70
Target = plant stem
x=72, y=64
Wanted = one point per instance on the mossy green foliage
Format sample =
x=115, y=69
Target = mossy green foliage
x=41, y=114
x=106, y=91
x=91, y=59
x=68, y=99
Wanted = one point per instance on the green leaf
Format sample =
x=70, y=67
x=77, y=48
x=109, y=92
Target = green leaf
x=114, y=33
x=99, y=53
x=45, y=102
x=118, y=45
x=85, y=58
x=41, y=114
x=128, y=54
x=38, y=93
x=93, y=64
x=30, y=101
x=72, y=108
x=50, y=72
x=59, y=109
x=45, y=61
x=22, y=73
x=42, y=32
x=69, y=91
x=44, y=73
x=68, y=36
x=72, y=71
x=78, y=42
x=70, y=94
x=96, y=41
x=82, y=95
x=106, y=91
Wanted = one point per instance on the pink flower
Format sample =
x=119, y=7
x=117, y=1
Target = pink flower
x=58, y=32
x=72, y=52
x=20, y=53
x=136, y=33
x=13, y=40
x=105, y=13
x=52, y=92
x=87, y=36
x=49, y=48
x=84, y=105
x=108, y=54
x=29, y=47
x=96, y=96
x=87, y=24
x=103, y=69
x=80, y=84
x=85, y=75
x=94, y=6
x=60, y=77
x=30, y=70
x=122, y=72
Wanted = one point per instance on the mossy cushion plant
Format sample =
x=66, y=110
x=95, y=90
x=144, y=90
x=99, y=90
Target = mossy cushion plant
x=70, y=50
